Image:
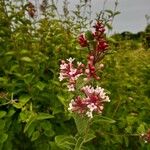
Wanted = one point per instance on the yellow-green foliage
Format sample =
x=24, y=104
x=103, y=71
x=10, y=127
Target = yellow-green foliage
x=127, y=77
x=33, y=104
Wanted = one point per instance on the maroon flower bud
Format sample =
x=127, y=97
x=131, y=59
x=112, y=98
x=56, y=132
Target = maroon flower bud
x=99, y=27
x=102, y=46
x=82, y=41
x=91, y=70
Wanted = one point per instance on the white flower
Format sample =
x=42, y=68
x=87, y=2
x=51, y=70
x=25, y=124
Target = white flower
x=107, y=99
x=101, y=66
x=92, y=107
x=63, y=66
x=61, y=77
x=71, y=87
x=72, y=71
x=71, y=105
x=79, y=63
x=71, y=59
x=89, y=114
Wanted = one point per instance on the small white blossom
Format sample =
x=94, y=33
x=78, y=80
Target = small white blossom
x=72, y=71
x=63, y=66
x=71, y=87
x=79, y=63
x=92, y=107
x=71, y=105
x=71, y=59
x=107, y=99
x=89, y=114
x=61, y=77
x=101, y=66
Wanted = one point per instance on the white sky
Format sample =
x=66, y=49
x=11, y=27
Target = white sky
x=132, y=17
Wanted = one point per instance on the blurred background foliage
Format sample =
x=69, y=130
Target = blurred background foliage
x=33, y=103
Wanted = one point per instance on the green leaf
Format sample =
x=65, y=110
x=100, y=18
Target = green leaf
x=49, y=133
x=2, y=113
x=31, y=129
x=43, y=116
x=3, y=80
x=36, y=117
x=88, y=137
x=24, y=51
x=2, y=124
x=109, y=11
x=11, y=112
x=28, y=78
x=35, y=135
x=18, y=105
x=10, y=53
x=31, y=120
x=141, y=128
x=126, y=140
x=62, y=99
x=46, y=125
x=40, y=85
x=89, y=35
x=128, y=129
x=26, y=59
x=65, y=142
x=81, y=123
x=22, y=101
x=103, y=119
x=3, y=137
x=54, y=146
x=131, y=119
x=24, y=98
x=117, y=13
x=79, y=144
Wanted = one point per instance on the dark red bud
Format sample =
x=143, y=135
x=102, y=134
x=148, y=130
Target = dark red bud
x=82, y=41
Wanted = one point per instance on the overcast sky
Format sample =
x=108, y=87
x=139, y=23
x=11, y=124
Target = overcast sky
x=132, y=17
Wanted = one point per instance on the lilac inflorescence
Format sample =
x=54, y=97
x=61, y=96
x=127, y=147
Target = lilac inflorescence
x=93, y=102
x=69, y=72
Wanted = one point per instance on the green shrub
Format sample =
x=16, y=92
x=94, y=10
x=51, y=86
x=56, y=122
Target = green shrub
x=33, y=103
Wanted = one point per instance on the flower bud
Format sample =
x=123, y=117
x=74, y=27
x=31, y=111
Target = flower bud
x=82, y=41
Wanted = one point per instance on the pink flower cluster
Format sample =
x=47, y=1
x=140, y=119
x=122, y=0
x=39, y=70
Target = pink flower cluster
x=70, y=73
x=93, y=102
x=94, y=99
